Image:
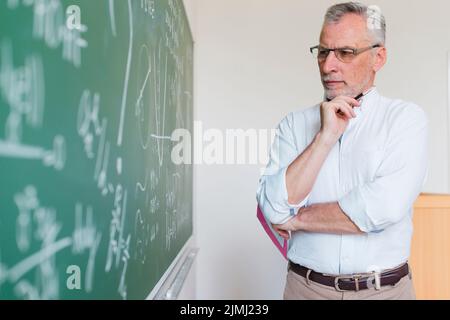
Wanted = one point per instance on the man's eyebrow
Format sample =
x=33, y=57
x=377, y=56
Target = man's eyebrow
x=338, y=47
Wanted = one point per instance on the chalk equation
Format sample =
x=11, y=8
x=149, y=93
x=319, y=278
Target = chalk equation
x=92, y=130
x=38, y=225
x=22, y=88
x=119, y=242
x=49, y=26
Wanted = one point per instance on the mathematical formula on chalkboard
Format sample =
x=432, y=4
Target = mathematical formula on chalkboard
x=93, y=95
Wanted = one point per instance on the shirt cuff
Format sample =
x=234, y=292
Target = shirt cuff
x=277, y=196
x=354, y=207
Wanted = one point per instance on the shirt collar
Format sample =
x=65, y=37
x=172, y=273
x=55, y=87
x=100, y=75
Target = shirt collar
x=366, y=100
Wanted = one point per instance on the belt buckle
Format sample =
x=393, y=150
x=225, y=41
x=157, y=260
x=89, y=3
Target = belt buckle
x=336, y=283
x=355, y=277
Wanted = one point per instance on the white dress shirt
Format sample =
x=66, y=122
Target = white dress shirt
x=375, y=172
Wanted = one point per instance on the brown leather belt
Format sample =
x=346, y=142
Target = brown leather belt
x=354, y=282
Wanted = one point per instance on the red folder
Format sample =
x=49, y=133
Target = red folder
x=280, y=243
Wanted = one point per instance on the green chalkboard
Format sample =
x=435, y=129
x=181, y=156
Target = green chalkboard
x=96, y=111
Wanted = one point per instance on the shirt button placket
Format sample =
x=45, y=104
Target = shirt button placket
x=342, y=257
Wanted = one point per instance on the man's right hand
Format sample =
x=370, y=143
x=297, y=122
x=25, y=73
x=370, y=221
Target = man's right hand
x=335, y=116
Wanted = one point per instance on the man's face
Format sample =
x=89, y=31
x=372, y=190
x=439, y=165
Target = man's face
x=353, y=78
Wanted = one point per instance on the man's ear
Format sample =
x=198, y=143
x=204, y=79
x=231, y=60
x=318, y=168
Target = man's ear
x=380, y=59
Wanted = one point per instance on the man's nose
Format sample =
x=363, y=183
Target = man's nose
x=331, y=63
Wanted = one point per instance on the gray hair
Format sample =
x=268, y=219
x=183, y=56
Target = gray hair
x=376, y=22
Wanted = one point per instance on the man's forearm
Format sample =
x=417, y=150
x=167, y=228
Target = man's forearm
x=321, y=218
x=326, y=218
x=302, y=172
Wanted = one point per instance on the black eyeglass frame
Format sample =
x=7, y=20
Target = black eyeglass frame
x=355, y=51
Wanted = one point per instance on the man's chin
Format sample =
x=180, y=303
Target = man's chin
x=331, y=94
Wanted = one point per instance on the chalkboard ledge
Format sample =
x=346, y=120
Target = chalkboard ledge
x=171, y=283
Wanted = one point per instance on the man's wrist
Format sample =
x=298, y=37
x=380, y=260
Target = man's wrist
x=325, y=139
x=299, y=223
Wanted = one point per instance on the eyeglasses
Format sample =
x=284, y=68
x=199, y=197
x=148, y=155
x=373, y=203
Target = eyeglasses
x=345, y=54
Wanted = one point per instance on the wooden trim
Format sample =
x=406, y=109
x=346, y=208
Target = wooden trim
x=429, y=200
x=430, y=247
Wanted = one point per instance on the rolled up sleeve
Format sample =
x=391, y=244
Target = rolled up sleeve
x=272, y=195
x=390, y=196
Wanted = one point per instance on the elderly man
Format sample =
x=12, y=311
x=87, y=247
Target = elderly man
x=343, y=175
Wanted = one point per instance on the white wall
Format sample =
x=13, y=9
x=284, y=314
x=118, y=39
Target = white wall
x=252, y=67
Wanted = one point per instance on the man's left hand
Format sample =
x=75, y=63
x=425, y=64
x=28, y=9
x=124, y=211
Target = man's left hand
x=284, y=229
